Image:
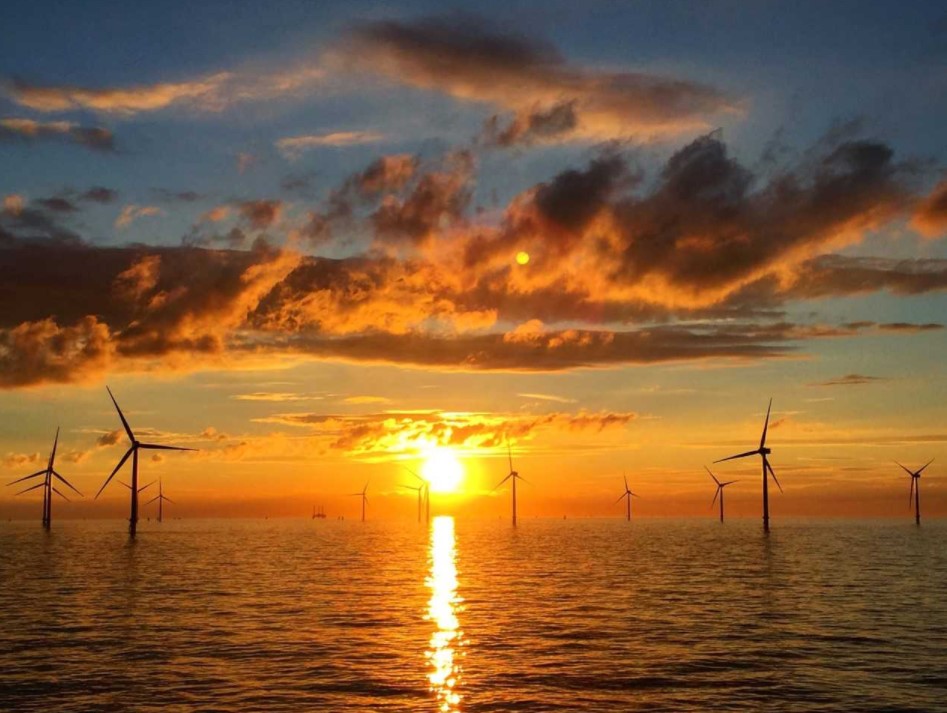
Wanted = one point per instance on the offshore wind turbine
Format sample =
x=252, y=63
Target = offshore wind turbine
x=627, y=495
x=364, y=498
x=426, y=487
x=511, y=476
x=762, y=451
x=720, y=487
x=47, y=484
x=133, y=452
x=916, y=489
x=160, y=497
x=420, y=490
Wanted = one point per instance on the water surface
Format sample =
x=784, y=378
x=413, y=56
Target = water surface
x=583, y=615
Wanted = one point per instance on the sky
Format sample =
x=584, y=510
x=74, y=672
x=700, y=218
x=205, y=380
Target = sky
x=323, y=243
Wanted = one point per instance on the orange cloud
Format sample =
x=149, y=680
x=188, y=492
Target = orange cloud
x=29, y=130
x=292, y=147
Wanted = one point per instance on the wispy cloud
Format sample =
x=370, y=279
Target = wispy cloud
x=292, y=147
x=28, y=130
x=548, y=397
x=850, y=380
x=130, y=213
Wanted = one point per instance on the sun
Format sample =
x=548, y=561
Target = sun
x=522, y=257
x=443, y=470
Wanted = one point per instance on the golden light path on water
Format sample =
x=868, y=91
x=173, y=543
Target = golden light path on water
x=447, y=639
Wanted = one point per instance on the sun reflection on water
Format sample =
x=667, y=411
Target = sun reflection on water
x=445, y=651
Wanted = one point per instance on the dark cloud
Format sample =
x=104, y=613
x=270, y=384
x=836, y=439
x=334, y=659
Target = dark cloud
x=99, y=194
x=549, y=96
x=30, y=131
x=260, y=214
x=850, y=380
x=930, y=218
x=529, y=127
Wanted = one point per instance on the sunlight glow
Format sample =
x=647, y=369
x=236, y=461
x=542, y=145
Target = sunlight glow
x=446, y=641
x=443, y=470
x=522, y=257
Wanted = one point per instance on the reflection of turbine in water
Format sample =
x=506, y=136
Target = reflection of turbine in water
x=444, y=652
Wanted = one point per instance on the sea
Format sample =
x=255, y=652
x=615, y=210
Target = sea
x=474, y=615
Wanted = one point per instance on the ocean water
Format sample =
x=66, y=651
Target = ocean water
x=574, y=615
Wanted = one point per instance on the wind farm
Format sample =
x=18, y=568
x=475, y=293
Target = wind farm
x=496, y=263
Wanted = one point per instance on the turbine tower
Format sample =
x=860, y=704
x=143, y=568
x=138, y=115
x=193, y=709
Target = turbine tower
x=426, y=488
x=720, y=487
x=762, y=451
x=160, y=497
x=511, y=476
x=916, y=489
x=419, y=489
x=47, y=484
x=364, y=498
x=627, y=495
x=133, y=452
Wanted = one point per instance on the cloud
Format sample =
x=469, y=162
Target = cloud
x=260, y=214
x=109, y=438
x=548, y=397
x=130, y=213
x=95, y=138
x=366, y=400
x=208, y=93
x=930, y=218
x=99, y=194
x=292, y=147
x=410, y=432
x=549, y=96
x=18, y=460
x=850, y=380
x=276, y=396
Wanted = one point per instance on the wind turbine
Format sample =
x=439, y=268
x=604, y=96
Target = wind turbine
x=720, y=487
x=420, y=490
x=133, y=452
x=762, y=451
x=426, y=487
x=49, y=472
x=364, y=498
x=629, y=495
x=512, y=476
x=916, y=489
x=160, y=497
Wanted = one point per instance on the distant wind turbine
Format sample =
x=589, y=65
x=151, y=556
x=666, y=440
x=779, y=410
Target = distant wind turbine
x=160, y=497
x=916, y=489
x=364, y=497
x=511, y=476
x=426, y=487
x=133, y=452
x=627, y=495
x=47, y=484
x=762, y=451
x=420, y=491
x=720, y=487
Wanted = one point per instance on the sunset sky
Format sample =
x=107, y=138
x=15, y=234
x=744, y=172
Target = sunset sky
x=320, y=242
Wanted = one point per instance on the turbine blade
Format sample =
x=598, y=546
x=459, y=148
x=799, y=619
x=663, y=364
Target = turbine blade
x=909, y=472
x=712, y=475
x=57, y=475
x=622, y=497
x=128, y=429
x=634, y=495
x=33, y=487
x=911, y=493
x=27, y=477
x=145, y=487
x=52, y=455
x=517, y=475
x=156, y=497
x=772, y=473
x=766, y=424
x=729, y=482
x=168, y=499
x=738, y=455
x=120, y=464
x=716, y=493
x=61, y=495
x=156, y=447
x=626, y=481
x=124, y=484
x=924, y=466
x=503, y=481
x=509, y=453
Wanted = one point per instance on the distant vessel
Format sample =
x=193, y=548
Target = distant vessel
x=319, y=513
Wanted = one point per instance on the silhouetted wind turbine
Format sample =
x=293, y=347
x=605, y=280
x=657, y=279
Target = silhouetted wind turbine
x=629, y=495
x=420, y=490
x=49, y=472
x=160, y=497
x=364, y=498
x=426, y=485
x=512, y=476
x=133, y=452
x=762, y=451
x=916, y=489
x=720, y=487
